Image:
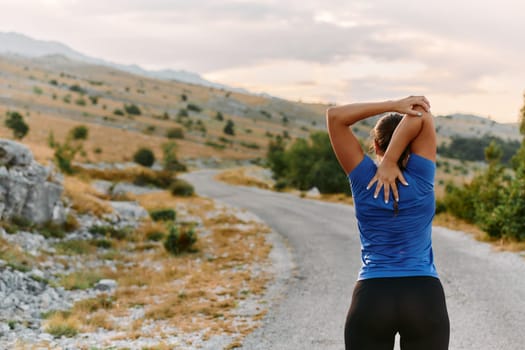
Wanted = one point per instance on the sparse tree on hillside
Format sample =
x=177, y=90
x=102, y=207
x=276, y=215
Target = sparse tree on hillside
x=16, y=123
x=65, y=152
x=229, y=128
x=144, y=156
x=79, y=132
x=132, y=109
x=170, y=160
x=219, y=116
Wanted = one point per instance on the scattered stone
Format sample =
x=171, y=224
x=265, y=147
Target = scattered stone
x=313, y=192
x=106, y=285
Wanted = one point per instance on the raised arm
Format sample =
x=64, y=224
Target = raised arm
x=339, y=119
x=420, y=134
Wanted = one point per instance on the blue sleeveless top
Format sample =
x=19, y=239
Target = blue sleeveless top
x=396, y=245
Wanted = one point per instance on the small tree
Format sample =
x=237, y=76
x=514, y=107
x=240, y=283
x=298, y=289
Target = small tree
x=144, y=156
x=219, y=116
x=79, y=132
x=16, y=123
x=65, y=152
x=132, y=109
x=170, y=160
x=229, y=128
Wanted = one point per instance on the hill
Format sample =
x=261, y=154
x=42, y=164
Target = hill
x=56, y=87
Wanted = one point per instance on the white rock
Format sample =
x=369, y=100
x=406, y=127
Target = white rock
x=106, y=285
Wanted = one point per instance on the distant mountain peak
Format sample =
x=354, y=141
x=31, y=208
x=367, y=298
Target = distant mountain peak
x=23, y=45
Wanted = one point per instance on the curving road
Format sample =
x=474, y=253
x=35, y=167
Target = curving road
x=485, y=289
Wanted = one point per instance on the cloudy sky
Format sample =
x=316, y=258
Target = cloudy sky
x=466, y=56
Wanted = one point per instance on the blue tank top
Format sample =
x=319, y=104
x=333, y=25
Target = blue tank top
x=396, y=245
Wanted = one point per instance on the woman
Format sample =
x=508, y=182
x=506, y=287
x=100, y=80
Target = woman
x=398, y=290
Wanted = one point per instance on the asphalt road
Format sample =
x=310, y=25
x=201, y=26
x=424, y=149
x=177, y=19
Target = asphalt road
x=485, y=289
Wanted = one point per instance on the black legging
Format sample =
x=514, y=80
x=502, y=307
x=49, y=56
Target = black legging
x=414, y=307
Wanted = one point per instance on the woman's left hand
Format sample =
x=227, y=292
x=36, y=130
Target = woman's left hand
x=386, y=175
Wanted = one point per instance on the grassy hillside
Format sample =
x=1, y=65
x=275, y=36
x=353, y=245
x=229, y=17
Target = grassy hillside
x=55, y=94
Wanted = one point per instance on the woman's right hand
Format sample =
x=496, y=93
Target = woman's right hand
x=407, y=105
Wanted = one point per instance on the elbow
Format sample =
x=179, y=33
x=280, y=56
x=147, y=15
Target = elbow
x=331, y=114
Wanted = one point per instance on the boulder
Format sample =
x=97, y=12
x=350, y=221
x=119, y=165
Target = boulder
x=28, y=189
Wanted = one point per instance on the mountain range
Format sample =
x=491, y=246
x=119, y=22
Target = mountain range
x=12, y=43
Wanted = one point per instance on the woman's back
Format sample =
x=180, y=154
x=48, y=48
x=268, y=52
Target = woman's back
x=396, y=237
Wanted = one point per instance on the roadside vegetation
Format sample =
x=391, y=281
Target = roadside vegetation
x=494, y=199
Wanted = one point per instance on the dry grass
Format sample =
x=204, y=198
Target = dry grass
x=84, y=198
x=239, y=176
x=502, y=244
x=192, y=291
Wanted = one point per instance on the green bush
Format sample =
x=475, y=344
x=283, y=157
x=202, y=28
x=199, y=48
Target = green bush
x=307, y=163
x=77, y=88
x=111, y=231
x=219, y=116
x=64, y=152
x=80, y=101
x=118, y=112
x=180, y=240
x=132, y=109
x=175, y=133
x=229, y=128
x=144, y=156
x=164, y=214
x=162, y=179
x=16, y=123
x=94, y=99
x=170, y=160
x=182, y=188
x=79, y=132
x=193, y=107
x=155, y=236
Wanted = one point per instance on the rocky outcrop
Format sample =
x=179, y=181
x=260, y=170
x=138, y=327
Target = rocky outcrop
x=27, y=189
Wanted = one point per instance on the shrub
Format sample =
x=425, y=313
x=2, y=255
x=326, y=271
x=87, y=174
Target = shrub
x=170, y=160
x=155, y=236
x=180, y=240
x=162, y=179
x=164, y=214
x=229, y=128
x=219, y=116
x=64, y=153
x=16, y=123
x=80, y=101
x=193, y=107
x=214, y=144
x=118, y=112
x=37, y=90
x=79, y=132
x=132, y=109
x=53, y=82
x=308, y=163
x=182, y=188
x=251, y=145
x=182, y=113
x=110, y=231
x=77, y=88
x=93, y=99
x=144, y=156
x=175, y=133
